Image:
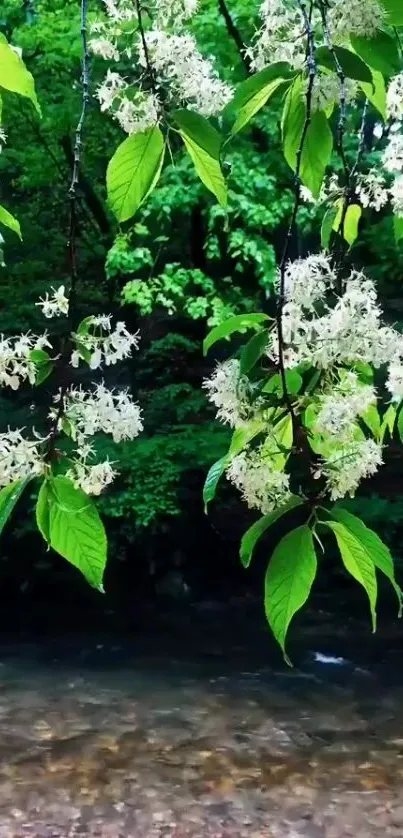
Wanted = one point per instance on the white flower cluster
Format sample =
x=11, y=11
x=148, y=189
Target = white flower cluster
x=261, y=485
x=355, y=17
x=395, y=380
x=393, y=153
x=351, y=463
x=20, y=458
x=166, y=56
x=340, y=407
x=327, y=90
x=372, y=190
x=92, y=479
x=16, y=364
x=394, y=99
x=228, y=391
x=103, y=344
x=280, y=37
x=55, y=304
x=99, y=411
x=348, y=331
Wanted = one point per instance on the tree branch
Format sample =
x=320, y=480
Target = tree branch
x=234, y=33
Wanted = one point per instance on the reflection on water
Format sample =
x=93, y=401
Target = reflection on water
x=176, y=749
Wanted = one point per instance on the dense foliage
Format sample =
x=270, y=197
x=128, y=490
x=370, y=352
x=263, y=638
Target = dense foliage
x=188, y=239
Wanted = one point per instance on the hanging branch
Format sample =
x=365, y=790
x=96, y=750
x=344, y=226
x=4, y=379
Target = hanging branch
x=311, y=64
x=234, y=33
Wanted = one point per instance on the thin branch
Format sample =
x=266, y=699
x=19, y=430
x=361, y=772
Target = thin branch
x=234, y=33
x=149, y=66
x=311, y=64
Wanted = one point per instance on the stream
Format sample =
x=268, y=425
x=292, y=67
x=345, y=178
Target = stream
x=104, y=739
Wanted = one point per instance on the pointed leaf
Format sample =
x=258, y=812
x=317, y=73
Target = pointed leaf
x=376, y=93
x=317, y=140
x=356, y=560
x=133, y=172
x=327, y=226
x=256, y=101
x=9, y=495
x=289, y=578
x=213, y=477
x=9, y=221
x=377, y=551
x=349, y=223
x=293, y=383
x=255, y=532
x=237, y=323
x=76, y=531
x=254, y=350
x=14, y=75
x=203, y=144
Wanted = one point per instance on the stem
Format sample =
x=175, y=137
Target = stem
x=297, y=187
x=234, y=33
x=150, y=70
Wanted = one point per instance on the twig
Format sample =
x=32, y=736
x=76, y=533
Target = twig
x=234, y=33
x=150, y=69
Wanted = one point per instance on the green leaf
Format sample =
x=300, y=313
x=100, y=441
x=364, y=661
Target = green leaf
x=349, y=228
x=9, y=221
x=327, y=226
x=253, y=350
x=255, y=532
x=76, y=531
x=377, y=551
x=242, y=436
x=42, y=510
x=398, y=228
x=9, y=495
x=380, y=52
x=293, y=383
x=376, y=93
x=317, y=144
x=43, y=364
x=289, y=578
x=14, y=75
x=394, y=11
x=388, y=422
x=356, y=560
x=133, y=172
x=203, y=144
x=237, y=323
x=212, y=480
x=372, y=420
x=352, y=65
x=253, y=93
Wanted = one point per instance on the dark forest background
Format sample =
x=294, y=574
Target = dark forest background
x=180, y=268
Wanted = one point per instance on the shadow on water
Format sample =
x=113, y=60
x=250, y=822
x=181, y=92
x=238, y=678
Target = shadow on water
x=196, y=728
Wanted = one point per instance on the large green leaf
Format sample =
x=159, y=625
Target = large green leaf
x=394, y=9
x=237, y=323
x=253, y=350
x=293, y=383
x=203, y=144
x=347, y=226
x=376, y=92
x=14, y=75
x=352, y=65
x=255, y=532
x=212, y=480
x=289, y=578
x=327, y=226
x=253, y=93
x=243, y=436
x=9, y=495
x=76, y=531
x=133, y=172
x=9, y=221
x=377, y=551
x=357, y=561
x=316, y=139
x=380, y=52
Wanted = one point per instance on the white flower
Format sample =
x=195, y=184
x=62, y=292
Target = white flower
x=327, y=91
x=3, y=138
x=108, y=346
x=112, y=87
x=92, y=479
x=174, y=12
x=189, y=76
x=371, y=190
x=138, y=114
x=396, y=191
x=16, y=364
x=281, y=37
x=55, y=305
x=351, y=463
x=355, y=17
x=340, y=408
x=394, y=101
x=307, y=280
x=395, y=380
x=104, y=48
x=99, y=411
x=20, y=458
x=393, y=154
x=228, y=391
x=262, y=486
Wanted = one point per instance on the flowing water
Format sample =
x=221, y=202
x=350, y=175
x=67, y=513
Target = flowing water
x=94, y=742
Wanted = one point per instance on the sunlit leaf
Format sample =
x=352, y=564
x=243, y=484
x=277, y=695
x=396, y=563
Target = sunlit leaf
x=9, y=496
x=134, y=171
x=14, y=75
x=376, y=93
x=351, y=64
x=237, y=323
x=357, y=561
x=379, y=51
x=255, y=532
x=203, y=144
x=394, y=9
x=9, y=221
x=212, y=480
x=253, y=350
x=316, y=139
x=346, y=221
